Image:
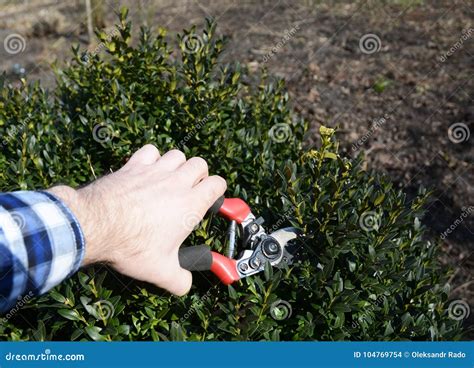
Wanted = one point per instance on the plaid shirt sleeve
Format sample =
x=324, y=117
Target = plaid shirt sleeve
x=41, y=244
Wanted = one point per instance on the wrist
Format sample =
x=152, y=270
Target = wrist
x=88, y=215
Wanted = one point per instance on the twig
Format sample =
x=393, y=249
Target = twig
x=90, y=29
x=462, y=286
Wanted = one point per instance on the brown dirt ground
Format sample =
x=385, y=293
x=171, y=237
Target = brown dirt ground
x=331, y=81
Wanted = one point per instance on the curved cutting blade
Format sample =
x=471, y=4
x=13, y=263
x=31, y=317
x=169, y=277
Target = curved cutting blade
x=284, y=236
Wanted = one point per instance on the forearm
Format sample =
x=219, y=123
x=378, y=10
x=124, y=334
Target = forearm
x=41, y=244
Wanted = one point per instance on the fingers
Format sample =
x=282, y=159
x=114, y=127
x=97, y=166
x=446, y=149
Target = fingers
x=210, y=189
x=193, y=171
x=171, y=160
x=146, y=155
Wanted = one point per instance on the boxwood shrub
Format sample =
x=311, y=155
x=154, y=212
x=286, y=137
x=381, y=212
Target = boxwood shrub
x=364, y=269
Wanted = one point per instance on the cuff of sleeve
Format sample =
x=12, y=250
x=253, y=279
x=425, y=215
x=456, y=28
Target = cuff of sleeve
x=76, y=230
x=41, y=244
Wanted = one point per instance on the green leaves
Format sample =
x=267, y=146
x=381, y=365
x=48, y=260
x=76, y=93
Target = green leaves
x=372, y=282
x=94, y=333
x=70, y=314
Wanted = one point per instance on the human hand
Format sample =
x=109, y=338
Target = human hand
x=136, y=218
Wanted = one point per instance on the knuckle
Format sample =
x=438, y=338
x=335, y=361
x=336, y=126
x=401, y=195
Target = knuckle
x=150, y=147
x=221, y=182
x=218, y=186
x=178, y=154
x=199, y=163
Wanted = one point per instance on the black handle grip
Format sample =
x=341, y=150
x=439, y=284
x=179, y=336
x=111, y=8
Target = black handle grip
x=197, y=258
x=216, y=206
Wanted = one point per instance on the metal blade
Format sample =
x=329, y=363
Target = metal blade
x=284, y=236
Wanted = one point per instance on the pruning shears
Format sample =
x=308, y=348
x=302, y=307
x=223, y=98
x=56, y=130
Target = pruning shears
x=257, y=247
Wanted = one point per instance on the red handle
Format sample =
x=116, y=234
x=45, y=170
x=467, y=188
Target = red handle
x=193, y=258
x=234, y=209
x=224, y=268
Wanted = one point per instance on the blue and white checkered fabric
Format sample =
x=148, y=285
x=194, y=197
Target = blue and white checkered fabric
x=41, y=244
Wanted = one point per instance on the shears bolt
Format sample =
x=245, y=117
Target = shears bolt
x=255, y=263
x=243, y=267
